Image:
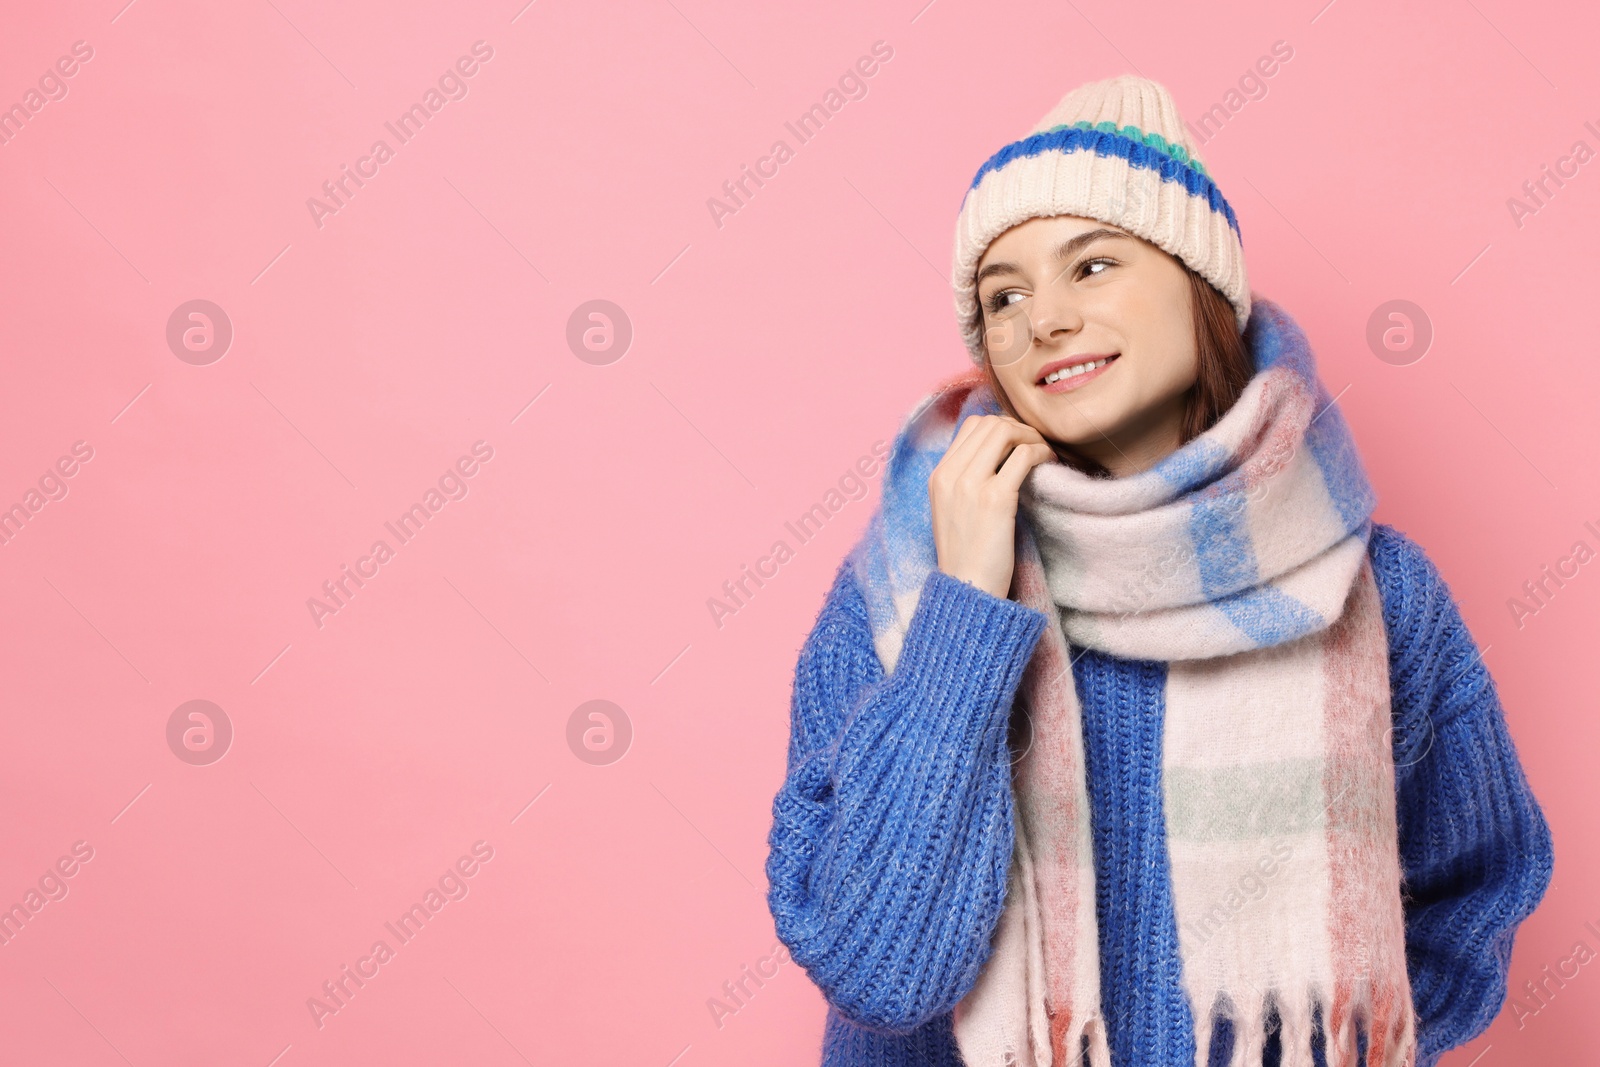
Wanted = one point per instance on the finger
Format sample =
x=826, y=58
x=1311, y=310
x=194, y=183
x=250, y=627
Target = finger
x=982, y=456
x=1027, y=433
x=970, y=426
x=1023, y=459
x=1002, y=441
x=958, y=458
x=964, y=431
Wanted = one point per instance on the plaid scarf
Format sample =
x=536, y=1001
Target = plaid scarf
x=1241, y=561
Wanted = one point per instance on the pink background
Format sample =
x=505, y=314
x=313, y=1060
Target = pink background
x=767, y=356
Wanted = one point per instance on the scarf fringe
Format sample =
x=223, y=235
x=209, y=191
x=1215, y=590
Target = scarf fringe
x=1250, y=1035
x=1091, y=1029
x=1391, y=1040
x=1298, y=1030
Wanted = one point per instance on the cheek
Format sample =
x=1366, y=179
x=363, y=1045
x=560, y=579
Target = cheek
x=1162, y=330
x=1185, y=364
x=1015, y=384
x=1172, y=363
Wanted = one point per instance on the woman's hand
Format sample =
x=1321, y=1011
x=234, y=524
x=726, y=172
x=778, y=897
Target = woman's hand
x=973, y=497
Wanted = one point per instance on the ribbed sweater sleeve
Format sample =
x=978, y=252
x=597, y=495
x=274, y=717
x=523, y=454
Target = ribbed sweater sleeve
x=1475, y=849
x=892, y=833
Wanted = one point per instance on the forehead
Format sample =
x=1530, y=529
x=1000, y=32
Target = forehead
x=1043, y=234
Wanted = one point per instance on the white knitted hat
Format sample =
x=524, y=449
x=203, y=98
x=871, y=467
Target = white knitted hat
x=1117, y=151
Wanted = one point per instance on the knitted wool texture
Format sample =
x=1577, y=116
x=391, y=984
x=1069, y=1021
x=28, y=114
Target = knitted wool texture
x=892, y=831
x=1115, y=150
x=1275, y=744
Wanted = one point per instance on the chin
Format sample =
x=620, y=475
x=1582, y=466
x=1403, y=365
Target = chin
x=1068, y=437
x=1074, y=429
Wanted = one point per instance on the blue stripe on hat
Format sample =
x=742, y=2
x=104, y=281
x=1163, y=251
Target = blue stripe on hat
x=1105, y=143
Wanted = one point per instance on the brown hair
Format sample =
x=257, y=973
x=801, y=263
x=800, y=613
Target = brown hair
x=1225, y=367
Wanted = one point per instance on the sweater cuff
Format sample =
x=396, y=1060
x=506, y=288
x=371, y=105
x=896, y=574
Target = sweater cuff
x=962, y=638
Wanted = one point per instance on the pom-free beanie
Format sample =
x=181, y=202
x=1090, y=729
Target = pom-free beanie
x=1117, y=151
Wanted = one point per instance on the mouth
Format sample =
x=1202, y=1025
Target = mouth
x=1074, y=372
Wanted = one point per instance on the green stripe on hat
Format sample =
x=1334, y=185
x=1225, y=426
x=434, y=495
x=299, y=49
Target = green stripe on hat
x=1154, y=140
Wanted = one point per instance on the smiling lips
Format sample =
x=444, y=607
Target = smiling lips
x=1061, y=375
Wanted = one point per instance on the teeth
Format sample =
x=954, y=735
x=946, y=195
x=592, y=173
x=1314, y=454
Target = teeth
x=1074, y=371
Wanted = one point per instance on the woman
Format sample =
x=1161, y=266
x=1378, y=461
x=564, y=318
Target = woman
x=1125, y=736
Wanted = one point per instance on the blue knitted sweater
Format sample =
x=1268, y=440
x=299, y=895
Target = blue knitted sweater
x=892, y=832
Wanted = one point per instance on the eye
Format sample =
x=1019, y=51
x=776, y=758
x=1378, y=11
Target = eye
x=1000, y=300
x=1086, y=264
x=997, y=301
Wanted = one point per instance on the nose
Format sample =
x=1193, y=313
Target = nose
x=1039, y=321
x=1053, y=312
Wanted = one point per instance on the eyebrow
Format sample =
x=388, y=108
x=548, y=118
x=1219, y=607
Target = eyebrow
x=1066, y=250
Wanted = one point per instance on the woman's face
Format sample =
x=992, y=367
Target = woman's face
x=1069, y=292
